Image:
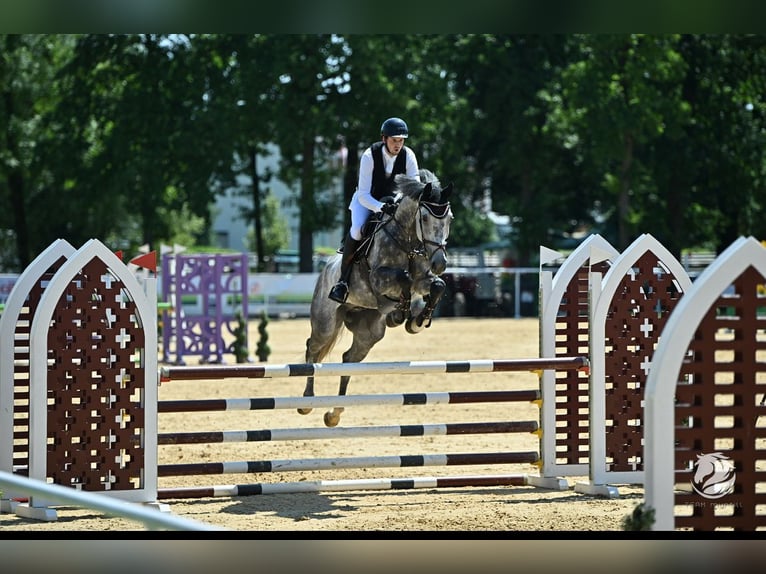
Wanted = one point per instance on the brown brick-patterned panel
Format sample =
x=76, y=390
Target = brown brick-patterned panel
x=635, y=319
x=720, y=409
x=21, y=367
x=572, y=444
x=95, y=385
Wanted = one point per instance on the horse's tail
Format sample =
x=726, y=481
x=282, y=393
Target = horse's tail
x=325, y=281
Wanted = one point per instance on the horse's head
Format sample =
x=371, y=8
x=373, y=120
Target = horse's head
x=427, y=203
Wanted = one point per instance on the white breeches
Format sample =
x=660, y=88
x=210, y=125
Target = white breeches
x=359, y=216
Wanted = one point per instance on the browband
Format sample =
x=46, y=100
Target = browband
x=438, y=210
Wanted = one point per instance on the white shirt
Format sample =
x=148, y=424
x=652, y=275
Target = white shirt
x=366, y=164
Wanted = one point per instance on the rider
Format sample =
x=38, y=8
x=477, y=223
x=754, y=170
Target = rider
x=378, y=166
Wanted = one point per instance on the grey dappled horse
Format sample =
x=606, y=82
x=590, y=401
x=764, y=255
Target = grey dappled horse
x=394, y=278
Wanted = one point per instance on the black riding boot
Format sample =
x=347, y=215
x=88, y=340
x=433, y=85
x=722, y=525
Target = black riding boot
x=339, y=292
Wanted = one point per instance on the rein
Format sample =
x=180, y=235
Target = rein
x=418, y=249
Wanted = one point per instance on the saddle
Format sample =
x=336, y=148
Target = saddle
x=368, y=232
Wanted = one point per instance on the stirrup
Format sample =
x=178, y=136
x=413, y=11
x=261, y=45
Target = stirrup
x=339, y=292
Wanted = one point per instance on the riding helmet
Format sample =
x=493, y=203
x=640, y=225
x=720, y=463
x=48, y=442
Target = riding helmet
x=394, y=128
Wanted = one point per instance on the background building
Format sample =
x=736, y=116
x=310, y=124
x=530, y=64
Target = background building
x=230, y=229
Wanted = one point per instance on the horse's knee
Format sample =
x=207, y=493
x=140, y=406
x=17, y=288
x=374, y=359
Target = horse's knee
x=438, y=286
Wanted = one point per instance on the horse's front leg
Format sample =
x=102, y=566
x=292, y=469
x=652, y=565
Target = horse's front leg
x=395, y=284
x=390, y=281
x=332, y=418
x=422, y=320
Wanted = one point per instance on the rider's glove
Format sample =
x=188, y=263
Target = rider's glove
x=389, y=205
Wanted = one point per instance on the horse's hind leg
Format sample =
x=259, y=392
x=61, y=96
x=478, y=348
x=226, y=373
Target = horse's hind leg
x=309, y=390
x=318, y=345
x=368, y=328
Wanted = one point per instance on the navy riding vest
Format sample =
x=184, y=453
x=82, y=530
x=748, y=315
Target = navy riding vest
x=381, y=185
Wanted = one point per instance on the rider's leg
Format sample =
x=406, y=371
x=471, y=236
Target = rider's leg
x=339, y=292
x=359, y=215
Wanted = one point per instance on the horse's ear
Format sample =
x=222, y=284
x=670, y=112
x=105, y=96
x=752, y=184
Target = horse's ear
x=446, y=191
x=426, y=191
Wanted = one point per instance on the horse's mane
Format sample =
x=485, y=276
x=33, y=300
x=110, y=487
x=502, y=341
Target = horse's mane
x=412, y=187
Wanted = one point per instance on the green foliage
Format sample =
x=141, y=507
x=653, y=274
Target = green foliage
x=129, y=137
x=470, y=228
x=641, y=519
x=262, y=349
x=240, y=339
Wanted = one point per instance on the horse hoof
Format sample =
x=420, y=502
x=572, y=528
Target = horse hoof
x=331, y=420
x=304, y=411
x=413, y=327
x=394, y=318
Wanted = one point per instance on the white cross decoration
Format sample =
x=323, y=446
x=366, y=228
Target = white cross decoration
x=645, y=364
x=646, y=327
x=122, y=419
x=123, y=338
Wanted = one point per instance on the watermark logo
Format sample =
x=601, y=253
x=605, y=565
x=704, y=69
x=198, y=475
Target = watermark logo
x=713, y=475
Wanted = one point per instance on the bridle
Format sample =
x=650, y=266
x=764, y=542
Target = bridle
x=439, y=211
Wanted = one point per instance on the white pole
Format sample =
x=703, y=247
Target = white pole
x=152, y=518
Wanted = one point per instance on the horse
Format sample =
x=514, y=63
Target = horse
x=394, y=278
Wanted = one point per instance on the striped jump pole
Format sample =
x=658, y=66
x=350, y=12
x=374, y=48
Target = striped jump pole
x=312, y=486
x=269, y=435
x=217, y=372
x=394, y=461
x=330, y=401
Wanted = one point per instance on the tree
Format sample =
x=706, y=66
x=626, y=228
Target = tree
x=146, y=103
x=501, y=131
x=247, y=78
x=621, y=94
x=28, y=92
x=304, y=116
x=128, y=138
x=717, y=168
